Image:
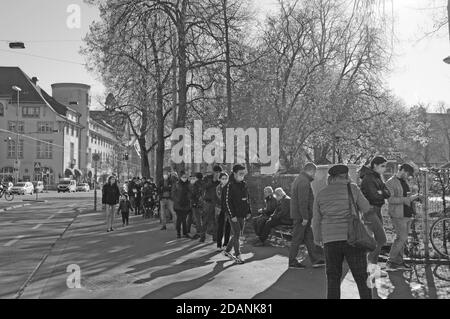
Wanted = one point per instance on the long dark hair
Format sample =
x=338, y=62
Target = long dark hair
x=110, y=178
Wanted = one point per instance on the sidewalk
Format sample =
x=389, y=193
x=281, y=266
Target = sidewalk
x=141, y=261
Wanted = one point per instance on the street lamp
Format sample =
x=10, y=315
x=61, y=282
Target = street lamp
x=18, y=90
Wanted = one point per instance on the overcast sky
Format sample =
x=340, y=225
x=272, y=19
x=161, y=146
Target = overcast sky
x=419, y=74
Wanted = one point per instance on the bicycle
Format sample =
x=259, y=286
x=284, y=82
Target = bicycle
x=4, y=192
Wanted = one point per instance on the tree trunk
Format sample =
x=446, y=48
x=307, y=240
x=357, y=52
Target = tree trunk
x=145, y=165
x=228, y=63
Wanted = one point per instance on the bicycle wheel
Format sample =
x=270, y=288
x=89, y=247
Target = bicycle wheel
x=440, y=236
x=9, y=197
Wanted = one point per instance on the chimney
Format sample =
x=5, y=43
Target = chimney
x=34, y=80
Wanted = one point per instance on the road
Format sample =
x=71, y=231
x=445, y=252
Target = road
x=39, y=242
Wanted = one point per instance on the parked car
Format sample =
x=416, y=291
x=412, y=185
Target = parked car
x=67, y=185
x=83, y=187
x=23, y=188
x=38, y=186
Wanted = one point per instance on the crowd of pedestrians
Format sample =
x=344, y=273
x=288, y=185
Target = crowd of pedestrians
x=218, y=205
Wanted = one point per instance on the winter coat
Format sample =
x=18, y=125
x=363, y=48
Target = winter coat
x=110, y=194
x=235, y=199
x=302, y=198
x=165, y=188
x=197, y=194
x=181, y=195
x=397, y=201
x=271, y=205
x=374, y=189
x=125, y=206
x=209, y=186
x=282, y=212
x=332, y=211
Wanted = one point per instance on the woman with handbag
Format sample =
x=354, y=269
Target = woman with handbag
x=336, y=207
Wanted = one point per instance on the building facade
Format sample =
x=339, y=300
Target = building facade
x=45, y=137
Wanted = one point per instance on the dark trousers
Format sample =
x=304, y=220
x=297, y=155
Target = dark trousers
x=189, y=221
x=374, y=221
x=236, y=228
x=271, y=223
x=335, y=252
x=200, y=221
x=209, y=210
x=223, y=228
x=258, y=223
x=181, y=221
x=304, y=235
x=125, y=217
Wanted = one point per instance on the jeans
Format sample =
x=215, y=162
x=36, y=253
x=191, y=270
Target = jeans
x=269, y=224
x=223, y=224
x=335, y=252
x=125, y=217
x=200, y=221
x=110, y=211
x=401, y=227
x=209, y=210
x=303, y=234
x=167, y=204
x=236, y=228
x=181, y=221
x=374, y=222
x=189, y=221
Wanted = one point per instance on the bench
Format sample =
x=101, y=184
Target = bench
x=283, y=231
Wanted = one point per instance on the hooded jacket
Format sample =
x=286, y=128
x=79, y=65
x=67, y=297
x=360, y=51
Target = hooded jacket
x=181, y=195
x=235, y=198
x=374, y=189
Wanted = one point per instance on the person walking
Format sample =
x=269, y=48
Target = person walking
x=376, y=192
x=166, y=202
x=110, y=198
x=237, y=206
x=330, y=228
x=132, y=192
x=124, y=209
x=181, y=195
x=401, y=213
x=281, y=216
x=302, y=201
x=210, y=184
x=223, y=225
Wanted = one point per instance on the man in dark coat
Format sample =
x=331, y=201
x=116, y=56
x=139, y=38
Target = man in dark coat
x=264, y=214
x=302, y=202
x=210, y=183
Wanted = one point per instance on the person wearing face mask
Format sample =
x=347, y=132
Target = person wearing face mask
x=181, y=195
x=237, y=207
x=281, y=216
x=110, y=198
x=166, y=202
x=223, y=225
x=376, y=192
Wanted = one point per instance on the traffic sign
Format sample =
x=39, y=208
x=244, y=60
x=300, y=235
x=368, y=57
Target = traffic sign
x=37, y=165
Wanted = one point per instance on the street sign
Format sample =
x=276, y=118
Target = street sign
x=37, y=165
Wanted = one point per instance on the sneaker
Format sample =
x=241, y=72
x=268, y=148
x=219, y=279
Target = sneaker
x=228, y=254
x=297, y=265
x=202, y=239
x=318, y=264
x=107, y=230
x=219, y=249
x=112, y=229
x=239, y=260
x=164, y=228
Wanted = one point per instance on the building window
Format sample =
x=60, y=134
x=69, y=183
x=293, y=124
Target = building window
x=2, y=109
x=12, y=126
x=76, y=131
x=12, y=149
x=31, y=111
x=45, y=127
x=45, y=149
x=71, y=130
